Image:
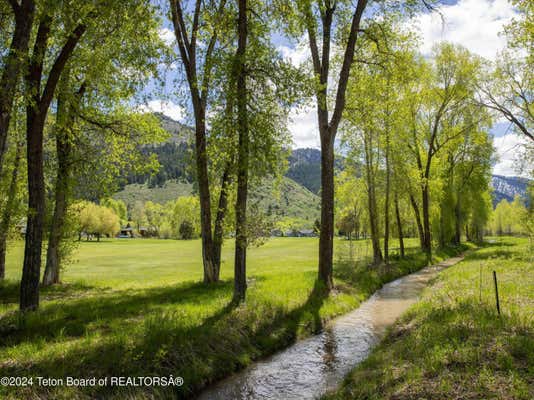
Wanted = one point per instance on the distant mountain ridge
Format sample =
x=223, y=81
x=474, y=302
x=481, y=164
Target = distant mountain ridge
x=507, y=187
x=304, y=169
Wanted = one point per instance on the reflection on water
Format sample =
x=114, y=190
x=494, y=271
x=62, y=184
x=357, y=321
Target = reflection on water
x=313, y=366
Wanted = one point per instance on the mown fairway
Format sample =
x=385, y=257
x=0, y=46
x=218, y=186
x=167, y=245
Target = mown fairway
x=137, y=308
x=123, y=263
x=452, y=344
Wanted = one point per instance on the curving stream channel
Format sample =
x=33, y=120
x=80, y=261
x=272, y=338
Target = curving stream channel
x=316, y=365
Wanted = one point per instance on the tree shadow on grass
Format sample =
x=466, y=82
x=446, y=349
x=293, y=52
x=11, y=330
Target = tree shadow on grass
x=167, y=343
x=10, y=291
x=72, y=317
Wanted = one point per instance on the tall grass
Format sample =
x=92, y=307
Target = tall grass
x=453, y=344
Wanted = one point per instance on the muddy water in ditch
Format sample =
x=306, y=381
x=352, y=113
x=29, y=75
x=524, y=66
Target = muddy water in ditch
x=316, y=365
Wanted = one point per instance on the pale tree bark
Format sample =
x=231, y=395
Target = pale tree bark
x=328, y=127
x=240, y=263
x=36, y=111
x=13, y=65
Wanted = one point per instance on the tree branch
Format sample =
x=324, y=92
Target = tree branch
x=347, y=62
x=59, y=65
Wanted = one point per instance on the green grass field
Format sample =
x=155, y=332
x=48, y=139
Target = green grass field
x=128, y=263
x=137, y=308
x=452, y=344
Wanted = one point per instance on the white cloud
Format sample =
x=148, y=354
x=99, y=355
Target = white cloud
x=167, y=108
x=303, y=121
x=167, y=36
x=508, y=149
x=475, y=24
x=304, y=128
x=296, y=55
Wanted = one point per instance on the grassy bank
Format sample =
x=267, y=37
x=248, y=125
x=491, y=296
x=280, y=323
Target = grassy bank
x=452, y=344
x=133, y=308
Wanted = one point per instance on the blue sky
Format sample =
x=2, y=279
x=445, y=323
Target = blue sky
x=475, y=24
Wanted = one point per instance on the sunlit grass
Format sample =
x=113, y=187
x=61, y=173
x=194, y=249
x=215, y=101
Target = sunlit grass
x=137, y=307
x=453, y=344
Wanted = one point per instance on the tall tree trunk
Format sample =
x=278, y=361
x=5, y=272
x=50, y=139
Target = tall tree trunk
x=417, y=215
x=36, y=111
x=199, y=88
x=328, y=129
x=386, y=205
x=399, y=226
x=326, y=235
x=8, y=208
x=371, y=200
x=63, y=150
x=427, y=240
x=13, y=65
x=240, y=278
x=457, y=221
x=29, y=285
x=375, y=240
x=210, y=275
x=218, y=230
x=35, y=119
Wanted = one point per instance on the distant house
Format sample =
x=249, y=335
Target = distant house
x=277, y=233
x=126, y=232
x=306, y=233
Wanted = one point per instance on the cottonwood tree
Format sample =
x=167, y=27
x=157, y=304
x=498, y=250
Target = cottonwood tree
x=264, y=88
x=509, y=87
x=240, y=73
x=320, y=21
x=40, y=87
x=96, y=220
x=96, y=79
x=373, y=117
x=450, y=88
x=198, y=62
x=465, y=169
x=60, y=27
x=509, y=90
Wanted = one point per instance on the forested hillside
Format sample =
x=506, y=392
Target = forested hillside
x=295, y=196
x=276, y=200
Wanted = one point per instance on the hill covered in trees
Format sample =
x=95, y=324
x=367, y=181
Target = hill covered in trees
x=286, y=199
x=302, y=184
x=295, y=196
